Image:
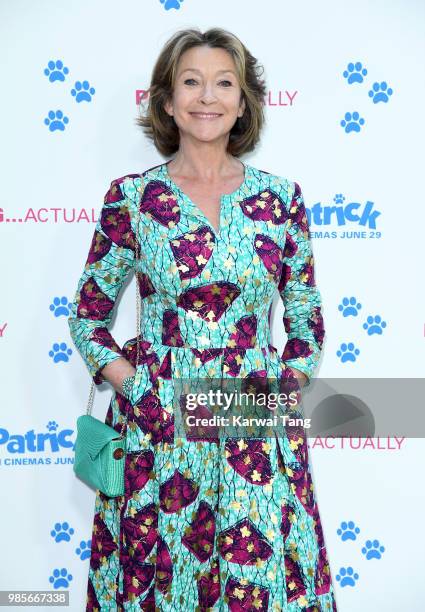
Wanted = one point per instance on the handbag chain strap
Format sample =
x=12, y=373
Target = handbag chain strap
x=138, y=307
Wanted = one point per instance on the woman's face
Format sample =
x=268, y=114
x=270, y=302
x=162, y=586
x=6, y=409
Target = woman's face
x=206, y=82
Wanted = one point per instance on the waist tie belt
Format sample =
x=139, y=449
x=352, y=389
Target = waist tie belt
x=265, y=349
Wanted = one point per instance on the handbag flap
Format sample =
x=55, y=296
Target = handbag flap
x=93, y=434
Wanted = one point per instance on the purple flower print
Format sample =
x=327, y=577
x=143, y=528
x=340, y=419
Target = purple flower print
x=192, y=251
x=265, y=206
x=213, y=298
x=209, y=586
x=295, y=347
x=160, y=203
x=94, y=304
x=177, y=492
x=322, y=578
x=270, y=254
x=151, y=417
x=199, y=535
x=103, y=544
x=249, y=459
x=295, y=586
x=288, y=517
x=138, y=470
x=171, y=335
x=244, y=544
x=140, y=532
x=145, y=285
x=245, y=335
x=164, y=567
x=245, y=596
x=115, y=222
x=100, y=245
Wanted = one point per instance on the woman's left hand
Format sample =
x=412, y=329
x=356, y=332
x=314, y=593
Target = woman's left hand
x=300, y=376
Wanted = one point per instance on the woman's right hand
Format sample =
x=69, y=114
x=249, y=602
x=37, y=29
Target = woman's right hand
x=116, y=372
x=127, y=386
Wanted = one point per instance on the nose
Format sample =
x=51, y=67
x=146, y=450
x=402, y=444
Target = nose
x=207, y=94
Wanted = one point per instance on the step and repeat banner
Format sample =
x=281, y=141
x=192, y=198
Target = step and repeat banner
x=343, y=119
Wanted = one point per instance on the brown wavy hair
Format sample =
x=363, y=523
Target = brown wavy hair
x=162, y=129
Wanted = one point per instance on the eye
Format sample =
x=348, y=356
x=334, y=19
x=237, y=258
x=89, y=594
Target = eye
x=227, y=82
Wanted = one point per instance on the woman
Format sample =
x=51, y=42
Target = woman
x=205, y=524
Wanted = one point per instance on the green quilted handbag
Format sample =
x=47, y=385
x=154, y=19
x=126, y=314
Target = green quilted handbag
x=100, y=455
x=100, y=451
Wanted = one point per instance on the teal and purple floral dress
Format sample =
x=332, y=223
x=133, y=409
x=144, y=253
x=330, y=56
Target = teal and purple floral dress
x=216, y=524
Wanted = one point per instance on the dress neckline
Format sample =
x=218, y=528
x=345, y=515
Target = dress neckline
x=225, y=197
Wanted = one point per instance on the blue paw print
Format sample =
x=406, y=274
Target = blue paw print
x=82, y=92
x=352, y=122
x=60, y=306
x=52, y=426
x=60, y=352
x=60, y=578
x=347, y=352
x=372, y=550
x=349, y=306
x=380, y=92
x=56, y=71
x=170, y=4
x=374, y=325
x=348, y=531
x=62, y=532
x=84, y=549
x=354, y=73
x=347, y=576
x=56, y=120
x=339, y=198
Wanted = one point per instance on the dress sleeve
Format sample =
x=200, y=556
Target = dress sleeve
x=301, y=298
x=110, y=260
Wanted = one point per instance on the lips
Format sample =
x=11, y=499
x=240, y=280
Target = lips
x=206, y=115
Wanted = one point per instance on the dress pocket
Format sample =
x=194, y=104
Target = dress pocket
x=280, y=364
x=140, y=384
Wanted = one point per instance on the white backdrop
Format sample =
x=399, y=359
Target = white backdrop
x=53, y=182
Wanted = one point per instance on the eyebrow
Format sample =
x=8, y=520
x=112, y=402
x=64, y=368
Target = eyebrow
x=199, y=72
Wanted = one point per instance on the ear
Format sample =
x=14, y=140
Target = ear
x=242, y=107
x=168, y=107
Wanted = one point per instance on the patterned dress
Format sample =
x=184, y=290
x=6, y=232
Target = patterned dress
x=225, y=524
